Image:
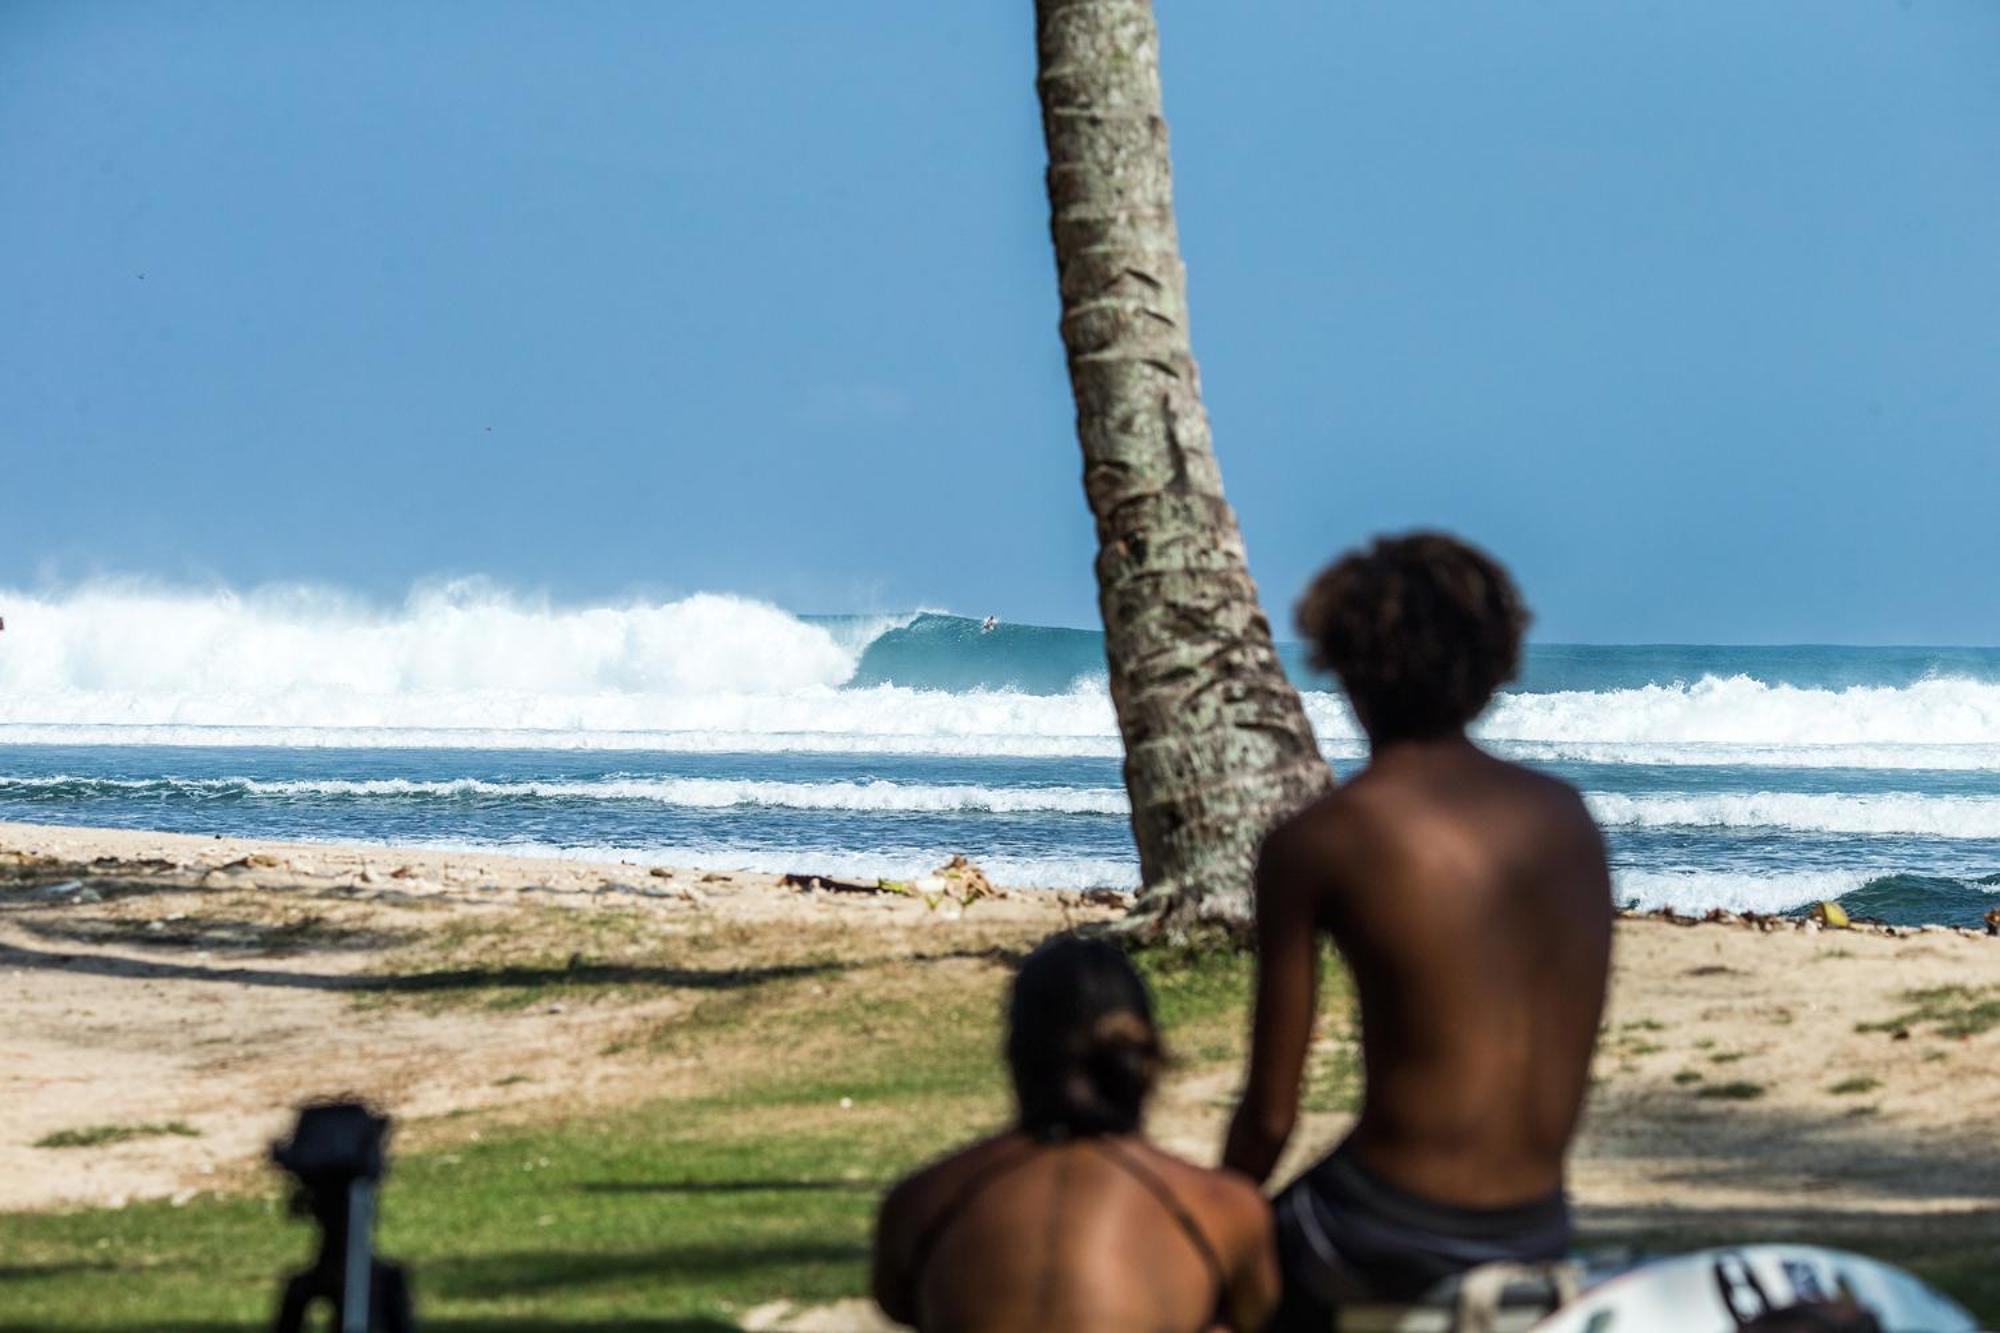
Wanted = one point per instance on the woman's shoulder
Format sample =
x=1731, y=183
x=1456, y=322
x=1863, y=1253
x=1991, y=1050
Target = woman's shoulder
x=1220, y=1195
x=944, y=1175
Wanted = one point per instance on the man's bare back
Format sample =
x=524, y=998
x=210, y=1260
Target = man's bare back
x=1471, y=902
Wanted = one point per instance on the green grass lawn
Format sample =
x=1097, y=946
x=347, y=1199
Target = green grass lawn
x=674, y=1215
x=677, y=1214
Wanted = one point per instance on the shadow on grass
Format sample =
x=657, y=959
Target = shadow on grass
x=535, y=1323
x=527, y=1272
x=1729, y=1145
x=475, y=1323
x=1678, y=1225
x=724, y=1187
x=28, y=1272
x=442, y=980
x=305, y=935
x=447, y=980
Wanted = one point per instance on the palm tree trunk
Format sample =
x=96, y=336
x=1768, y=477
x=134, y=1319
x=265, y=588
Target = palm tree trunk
x=1217, y=746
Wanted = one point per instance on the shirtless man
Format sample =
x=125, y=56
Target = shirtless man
x=1071, y=1220
x=1470, y=900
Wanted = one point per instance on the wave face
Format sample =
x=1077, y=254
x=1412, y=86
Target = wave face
x=718, y=730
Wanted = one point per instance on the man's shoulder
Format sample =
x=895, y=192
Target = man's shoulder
x=1315, y=831
x=1333, y=823
x=1553, y=795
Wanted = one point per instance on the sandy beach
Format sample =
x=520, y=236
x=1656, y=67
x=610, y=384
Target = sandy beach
x=215, y=981
x=1764, y=1080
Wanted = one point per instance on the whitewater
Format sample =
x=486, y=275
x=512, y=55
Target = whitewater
x=720, y=731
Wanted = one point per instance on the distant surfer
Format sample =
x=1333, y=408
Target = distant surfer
x=986, y=625
x=1471, y=901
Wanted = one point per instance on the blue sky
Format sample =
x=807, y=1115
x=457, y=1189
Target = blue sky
x=1686, y=309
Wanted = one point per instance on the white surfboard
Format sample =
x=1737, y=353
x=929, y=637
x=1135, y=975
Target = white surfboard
x=1718, y=1291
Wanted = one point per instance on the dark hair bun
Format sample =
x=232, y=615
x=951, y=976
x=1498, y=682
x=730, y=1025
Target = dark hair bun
x=1081, y=1042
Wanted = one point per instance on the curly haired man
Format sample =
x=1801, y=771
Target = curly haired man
x=1471, y=901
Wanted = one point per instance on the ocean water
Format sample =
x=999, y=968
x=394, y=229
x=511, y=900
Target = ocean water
x=721, y=732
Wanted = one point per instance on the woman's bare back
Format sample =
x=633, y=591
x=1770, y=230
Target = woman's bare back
x=1089, y=1233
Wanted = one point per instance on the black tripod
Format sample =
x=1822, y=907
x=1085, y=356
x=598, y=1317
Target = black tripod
x=336, y=1155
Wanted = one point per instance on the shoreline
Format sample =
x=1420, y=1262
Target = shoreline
x=590, y=868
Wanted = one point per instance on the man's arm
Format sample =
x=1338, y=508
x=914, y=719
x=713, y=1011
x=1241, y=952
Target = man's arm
x=1287, y=991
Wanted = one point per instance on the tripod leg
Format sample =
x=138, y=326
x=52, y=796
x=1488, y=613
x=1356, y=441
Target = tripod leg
x=292, y=1305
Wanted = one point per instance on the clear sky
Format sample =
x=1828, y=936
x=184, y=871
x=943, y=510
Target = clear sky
x=1689, y=309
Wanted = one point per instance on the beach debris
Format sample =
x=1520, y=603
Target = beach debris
x=1103, y=897
x=403, y=872
x=1993, y=921
x=1831, y=914
x=60, y=890
x=949, y=889
x=827, y=884
x=965, y=881
x=952, y=887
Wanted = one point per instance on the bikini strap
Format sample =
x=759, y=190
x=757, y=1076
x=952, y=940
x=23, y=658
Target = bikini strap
x=1159, y=1189
x=933, y=1231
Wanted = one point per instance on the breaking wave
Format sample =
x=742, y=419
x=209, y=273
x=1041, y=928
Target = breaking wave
x=1805, y=812
x=468, y=664
x=1900, y=899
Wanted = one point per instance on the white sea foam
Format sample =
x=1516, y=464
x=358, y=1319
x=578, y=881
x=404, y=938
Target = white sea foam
x=1814, y=812
x=1944, y=758
x=311, y=656
x=1697, y=891
x=1740, y=711
x=470, y=665
x=996, y=744
x=690, y=793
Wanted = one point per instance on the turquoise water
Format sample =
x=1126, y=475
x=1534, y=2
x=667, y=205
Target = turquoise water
x=713, y=731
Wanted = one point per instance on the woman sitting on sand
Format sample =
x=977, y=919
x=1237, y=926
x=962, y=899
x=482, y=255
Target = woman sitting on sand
x=1071, y=1220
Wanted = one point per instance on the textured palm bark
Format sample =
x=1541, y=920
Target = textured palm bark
x=1217, y=746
